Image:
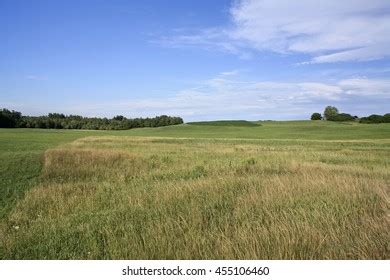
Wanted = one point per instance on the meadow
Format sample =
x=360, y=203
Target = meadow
x=222, y=190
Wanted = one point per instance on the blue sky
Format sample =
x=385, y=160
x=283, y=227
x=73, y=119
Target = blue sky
x=197, y=59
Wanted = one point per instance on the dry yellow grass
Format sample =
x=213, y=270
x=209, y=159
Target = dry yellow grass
x=161, y=198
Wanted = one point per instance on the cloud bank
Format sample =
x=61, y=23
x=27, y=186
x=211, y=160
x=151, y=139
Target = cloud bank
x=328, y=31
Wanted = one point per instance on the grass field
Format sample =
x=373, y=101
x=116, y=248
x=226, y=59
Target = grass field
x=272, y=190
x=227, y=123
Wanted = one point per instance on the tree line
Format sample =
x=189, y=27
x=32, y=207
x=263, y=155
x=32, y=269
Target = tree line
x=13, y=119
x=331, y=113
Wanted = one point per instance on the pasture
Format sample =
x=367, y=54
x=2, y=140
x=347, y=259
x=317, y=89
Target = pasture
x=223, y=190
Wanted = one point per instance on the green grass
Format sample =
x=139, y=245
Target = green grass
x=282, y=190
x=239, y=123
x=305, y=130
x=21, y=153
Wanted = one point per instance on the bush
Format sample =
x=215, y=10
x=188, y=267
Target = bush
x=374, y=119
x=316, y=117
x=386, y=118
x=343, y=117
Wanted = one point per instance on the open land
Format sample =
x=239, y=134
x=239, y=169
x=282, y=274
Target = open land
x=222, y=190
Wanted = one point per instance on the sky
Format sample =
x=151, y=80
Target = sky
x=198, y=59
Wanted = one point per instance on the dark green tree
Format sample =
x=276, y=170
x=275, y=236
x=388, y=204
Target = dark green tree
x=10, y=118
x=386, y=118
x=373, y=119
x=119, y=118
x=342, y=117
x=316, y=117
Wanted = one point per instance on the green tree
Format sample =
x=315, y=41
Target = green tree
x=373, y=119
x=59, y=121
x=386, y=118
x=342, y=117
x=330, y=112
x=9, y=118
x=316, y=117
x=119, y=118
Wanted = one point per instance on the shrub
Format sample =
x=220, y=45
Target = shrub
x=316, y=117
x=386, y=118
x=343, y=117
x=373, y=119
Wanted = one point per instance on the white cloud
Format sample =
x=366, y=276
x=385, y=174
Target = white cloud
x=366, y=87
x=217, y=39
x=230, y=73
x=329, y=31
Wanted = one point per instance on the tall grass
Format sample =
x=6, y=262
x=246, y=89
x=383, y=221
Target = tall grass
x=160, y=198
